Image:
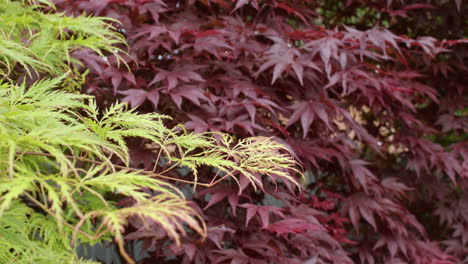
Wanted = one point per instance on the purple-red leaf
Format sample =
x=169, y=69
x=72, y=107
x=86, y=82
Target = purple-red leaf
x=292, y=226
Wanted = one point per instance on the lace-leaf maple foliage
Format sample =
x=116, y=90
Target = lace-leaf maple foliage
x=64, y=161
x=370, y=96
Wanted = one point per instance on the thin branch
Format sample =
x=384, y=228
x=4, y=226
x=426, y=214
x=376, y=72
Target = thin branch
x=150, y=173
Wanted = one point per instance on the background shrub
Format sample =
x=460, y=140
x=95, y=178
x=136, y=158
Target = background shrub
x=370, y=96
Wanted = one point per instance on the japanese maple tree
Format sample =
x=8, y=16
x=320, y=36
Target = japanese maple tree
x=370, y=97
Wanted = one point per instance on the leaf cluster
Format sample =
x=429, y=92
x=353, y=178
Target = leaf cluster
x=34, y=42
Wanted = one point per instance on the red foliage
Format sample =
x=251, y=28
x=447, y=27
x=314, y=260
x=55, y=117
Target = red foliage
x=376, y=115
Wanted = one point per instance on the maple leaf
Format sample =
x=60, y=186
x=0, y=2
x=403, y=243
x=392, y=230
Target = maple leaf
x=358, y=205
x=137, y=96
x=92, y=60
x=236, y=256
x=190, y=92
x=313, y=150
x=451, y=122
x=283, y=56
x=219, y=193
x=241, y=121
x=150, y=32
x=327, y=48
x=364, y=177
x=154, y=7
x=95, y=5
x=197, y=124
x=396, y=187
x=307, y=113
x=250, y=106
x=290, y=10
x=292, y=226
x=241, y=3
x=184, y=73
x=116, y=76
x=214, y=42
x=376, y=37
x=216, y=234
x=262, y=211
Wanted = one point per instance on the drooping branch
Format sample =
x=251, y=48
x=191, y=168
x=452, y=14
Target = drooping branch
x=150, y=173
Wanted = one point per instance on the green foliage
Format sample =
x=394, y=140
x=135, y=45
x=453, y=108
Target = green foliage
x=16, y=227
x=58, y=151
x=42, y=42
x=43, y=142
x=250, y=157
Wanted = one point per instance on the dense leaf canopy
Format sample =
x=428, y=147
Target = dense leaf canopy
x=370, y=96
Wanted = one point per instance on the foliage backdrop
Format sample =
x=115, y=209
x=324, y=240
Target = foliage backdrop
x=370, y=96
